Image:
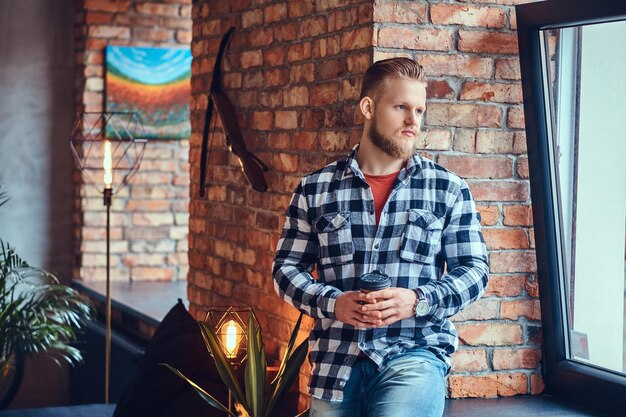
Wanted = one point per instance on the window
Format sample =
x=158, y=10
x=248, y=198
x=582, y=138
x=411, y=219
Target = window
x=573, y=63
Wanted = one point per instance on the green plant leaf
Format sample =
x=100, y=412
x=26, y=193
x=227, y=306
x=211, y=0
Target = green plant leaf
x=292, y=368
x=224, y=368
x=255, y=369
x=289, y=350
x=201, y=392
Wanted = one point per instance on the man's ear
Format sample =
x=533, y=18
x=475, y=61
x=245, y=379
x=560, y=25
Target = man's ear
x=367, y=107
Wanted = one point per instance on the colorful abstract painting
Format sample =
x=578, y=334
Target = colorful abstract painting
x=154, y=82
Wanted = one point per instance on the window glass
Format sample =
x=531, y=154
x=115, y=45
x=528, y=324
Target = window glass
x=586, y=90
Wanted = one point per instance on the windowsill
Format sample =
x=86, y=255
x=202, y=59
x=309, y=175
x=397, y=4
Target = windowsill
x=136, y=307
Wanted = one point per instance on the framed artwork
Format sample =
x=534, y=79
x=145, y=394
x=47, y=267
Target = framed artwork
x=155, y=83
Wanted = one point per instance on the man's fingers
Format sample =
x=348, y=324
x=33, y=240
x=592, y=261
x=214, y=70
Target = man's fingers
x=387, y=293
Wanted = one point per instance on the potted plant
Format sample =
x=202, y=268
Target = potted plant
x=257, y=398
x=37, y=315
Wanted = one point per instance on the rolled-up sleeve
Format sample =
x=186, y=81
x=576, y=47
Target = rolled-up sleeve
x=466, y=256
x=296, y=255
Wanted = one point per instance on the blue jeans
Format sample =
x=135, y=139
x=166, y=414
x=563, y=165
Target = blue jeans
x=411, y=384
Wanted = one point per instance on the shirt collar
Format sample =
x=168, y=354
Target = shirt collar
x=352, y=166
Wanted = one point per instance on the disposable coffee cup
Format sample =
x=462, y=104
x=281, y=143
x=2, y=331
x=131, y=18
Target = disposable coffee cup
x=373, y=281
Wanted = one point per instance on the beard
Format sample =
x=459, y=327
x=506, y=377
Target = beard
x=396, y=148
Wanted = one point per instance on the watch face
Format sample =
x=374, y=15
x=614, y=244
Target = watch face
x=422, y=308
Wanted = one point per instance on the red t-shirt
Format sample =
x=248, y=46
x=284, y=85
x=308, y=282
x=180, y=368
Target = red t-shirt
x=381, y=188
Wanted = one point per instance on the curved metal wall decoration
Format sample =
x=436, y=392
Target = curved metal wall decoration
x=251, y=165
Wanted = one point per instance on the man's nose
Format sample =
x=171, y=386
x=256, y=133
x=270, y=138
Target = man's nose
x=412, y=119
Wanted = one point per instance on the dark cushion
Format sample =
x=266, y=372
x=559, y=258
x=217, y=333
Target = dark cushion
x=155, y=391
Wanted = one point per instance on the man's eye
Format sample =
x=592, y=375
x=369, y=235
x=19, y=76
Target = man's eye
x=419, y=111
x=400, y=107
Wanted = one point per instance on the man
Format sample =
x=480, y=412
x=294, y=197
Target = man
x=382, y=208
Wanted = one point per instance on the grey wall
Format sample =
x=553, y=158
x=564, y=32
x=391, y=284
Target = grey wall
x=36, y=114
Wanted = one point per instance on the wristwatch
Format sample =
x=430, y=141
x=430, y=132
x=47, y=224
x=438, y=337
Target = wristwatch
x=422, y=306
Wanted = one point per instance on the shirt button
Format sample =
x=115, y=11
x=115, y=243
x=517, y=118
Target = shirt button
x=372, y=212
x=376, y=246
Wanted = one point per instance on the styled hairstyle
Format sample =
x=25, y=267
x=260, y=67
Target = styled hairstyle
x=379, y=71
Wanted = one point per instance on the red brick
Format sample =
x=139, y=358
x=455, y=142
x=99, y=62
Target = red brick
x=531, y=286
x=303, y=140
x=312, y=27
x=537, y=386
x=512, y=261
x=342, y=19
x=456, y=65
x=251, y=18
x=494, y=141
x=183, y=36
x=500, y=190
x=333, y=141
x=323, y=94
x=516, y=358
x=262, y=120
x=286, y=119
x=515, y=309
x=284, y=162
x=299, y=52
x=497, y=92
x=251, y=58
x=108, y=5
x=505, y=238
x=326, y=47
x=505, y=285
x=457, y=14
x=469, y=360
x=98, y=18
x=516, y=215
x=286, y=32
x=301, y=8
x=152, y=274
x=521, y=167
x=487, y=42
x=154, y=35
x=479, y=310
x=358, y=63
x=176, y=23
x=152, y=205
x=478, y=166
x=158, y=9
x=261, y=37
x=276, y=77
x=296, y=96
x=439, y=89
x=304, y=73
x=515, y=118
x=490, y=334
x=489, y=215
x=415, y=38
x=357, y=39
x=275, y=56
x=501, y=2
x=270, y=98
x=463, y=115
x=104, y=31
x=508, y=69
x=275, y=12
x=330, y=68
x=399, y=12
x=488, y=386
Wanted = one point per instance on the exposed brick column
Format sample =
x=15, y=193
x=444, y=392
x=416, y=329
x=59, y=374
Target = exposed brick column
x=293, y=73
x=150, y=216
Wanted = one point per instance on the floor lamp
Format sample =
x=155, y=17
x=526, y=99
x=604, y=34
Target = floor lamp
x=108, y=148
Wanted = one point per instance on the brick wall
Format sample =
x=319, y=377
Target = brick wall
x=292, y=72
x=149, y=220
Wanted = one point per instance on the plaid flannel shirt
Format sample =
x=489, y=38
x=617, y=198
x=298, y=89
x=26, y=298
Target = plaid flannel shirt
x=429, y=220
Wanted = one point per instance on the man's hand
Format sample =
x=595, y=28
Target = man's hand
x=348, y=310
x=390, y=305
